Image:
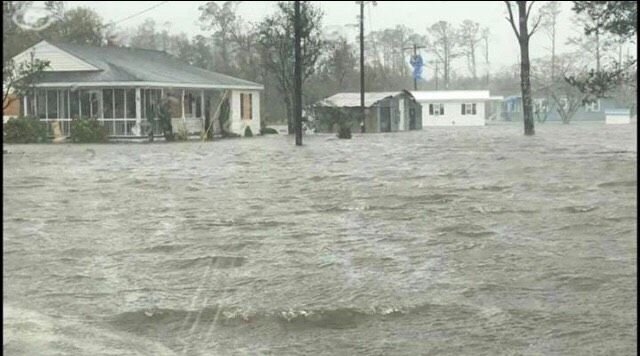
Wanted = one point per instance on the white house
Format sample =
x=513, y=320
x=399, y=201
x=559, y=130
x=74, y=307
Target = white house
x=121, y=87
x=453, y=107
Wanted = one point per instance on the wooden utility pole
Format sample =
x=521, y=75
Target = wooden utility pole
x=297, y=100
x=362, y=112
x=415, y=53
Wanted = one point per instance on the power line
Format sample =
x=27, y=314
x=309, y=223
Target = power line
x=139, y=13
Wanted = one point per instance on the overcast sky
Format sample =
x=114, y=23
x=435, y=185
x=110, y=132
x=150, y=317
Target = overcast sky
x=183, y=16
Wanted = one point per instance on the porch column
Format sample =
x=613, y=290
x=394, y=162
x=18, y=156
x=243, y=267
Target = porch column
x=138, y=127
x=182, y=102
x=202, y=112
x=25, y=110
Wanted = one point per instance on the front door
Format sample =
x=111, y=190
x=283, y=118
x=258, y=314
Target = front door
x=385, y=119
x=412, y=119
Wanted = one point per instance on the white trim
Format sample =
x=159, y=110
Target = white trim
x=147, y=84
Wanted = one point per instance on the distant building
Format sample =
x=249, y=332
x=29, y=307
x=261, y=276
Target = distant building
x=456, y=107
x=384, y=112
x=12, y=109
x=121, y=87
x=598, y=110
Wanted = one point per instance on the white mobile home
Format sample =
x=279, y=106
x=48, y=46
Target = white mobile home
x=453, y=107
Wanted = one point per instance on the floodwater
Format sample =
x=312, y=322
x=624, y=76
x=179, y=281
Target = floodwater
x=451, y=241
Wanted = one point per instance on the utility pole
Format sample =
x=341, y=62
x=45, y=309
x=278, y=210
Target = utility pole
x=415, y=53
x=362, y=112
x=297, y=100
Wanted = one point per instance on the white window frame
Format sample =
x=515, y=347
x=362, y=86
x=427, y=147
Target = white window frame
x=437, y=109
x=592, y=107
x=468, y=109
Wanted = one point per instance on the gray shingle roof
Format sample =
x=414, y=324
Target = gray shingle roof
x=123, y=64
x=353, y=99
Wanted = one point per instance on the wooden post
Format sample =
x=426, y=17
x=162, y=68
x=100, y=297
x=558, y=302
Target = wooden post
x=202, y=111
x=297, y=100
x=139, y=112
x=362, y=114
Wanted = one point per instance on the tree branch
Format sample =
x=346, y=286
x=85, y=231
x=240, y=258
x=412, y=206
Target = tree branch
x=535, y=27
x=511, y=20
x=529, y=9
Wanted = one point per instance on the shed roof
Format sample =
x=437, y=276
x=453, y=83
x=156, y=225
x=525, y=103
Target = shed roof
x=442, y=95
x=353, y=99
x=129, y=65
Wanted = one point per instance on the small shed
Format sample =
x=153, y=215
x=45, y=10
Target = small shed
x=384, y=112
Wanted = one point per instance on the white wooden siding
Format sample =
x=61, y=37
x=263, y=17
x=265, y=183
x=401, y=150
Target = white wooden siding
x=59, y=60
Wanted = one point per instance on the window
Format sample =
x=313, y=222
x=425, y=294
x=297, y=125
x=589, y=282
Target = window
x=52, y=104
x=63, y=104
x=74, y=104
x=41, y=103
x=564, y=103
x=118, y=103
x=468, y=109
x=436, y=109
x=107, y=97
x=130, y=103
x=540, y=105
x=199, y=107
x=95, y=104
x=245, y=107
x=188, y=104
x=593, y=106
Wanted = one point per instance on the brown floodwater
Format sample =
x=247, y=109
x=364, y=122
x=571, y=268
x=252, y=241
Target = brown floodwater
x=452, y=241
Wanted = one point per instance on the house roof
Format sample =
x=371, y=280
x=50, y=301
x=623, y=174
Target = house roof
x=443, y=95
x=353, y=99
x=123, y=65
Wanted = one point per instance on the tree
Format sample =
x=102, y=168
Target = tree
x=550, y=12
x=444, y=41
x=146, y=36
x=597, y=42
x=80, y=26
x=523, y=34
x=485, y=37
x=616, y=17
x=340, y=62
x=18, y=79
x=470, y=37
x=221, y=19
x=276, y=48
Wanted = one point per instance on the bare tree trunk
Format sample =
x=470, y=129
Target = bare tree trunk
x=525, y=71
x=598, y=51
x=553, y=51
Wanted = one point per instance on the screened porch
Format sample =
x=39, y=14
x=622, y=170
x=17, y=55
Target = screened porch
x=121, y=110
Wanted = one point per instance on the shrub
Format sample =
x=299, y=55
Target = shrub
x=344, y=131
x=88, y=130
x=248, y=132
x=182, y=134
x=24, y=130
x=268, y=131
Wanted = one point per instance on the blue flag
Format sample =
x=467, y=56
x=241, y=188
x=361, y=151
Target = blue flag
x=417, y=64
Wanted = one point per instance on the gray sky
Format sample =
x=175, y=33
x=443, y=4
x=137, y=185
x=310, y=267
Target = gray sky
x=417, y=15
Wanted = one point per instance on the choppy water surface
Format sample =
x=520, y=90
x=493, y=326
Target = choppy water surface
x=475, y=241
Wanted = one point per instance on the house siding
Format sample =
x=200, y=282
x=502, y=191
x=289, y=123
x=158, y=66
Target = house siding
x=453, y=115
x=59, y=60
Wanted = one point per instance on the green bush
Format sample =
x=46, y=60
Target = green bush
x=85, y=130
x=24, y=130
x=268, y=131
x=248, y=132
